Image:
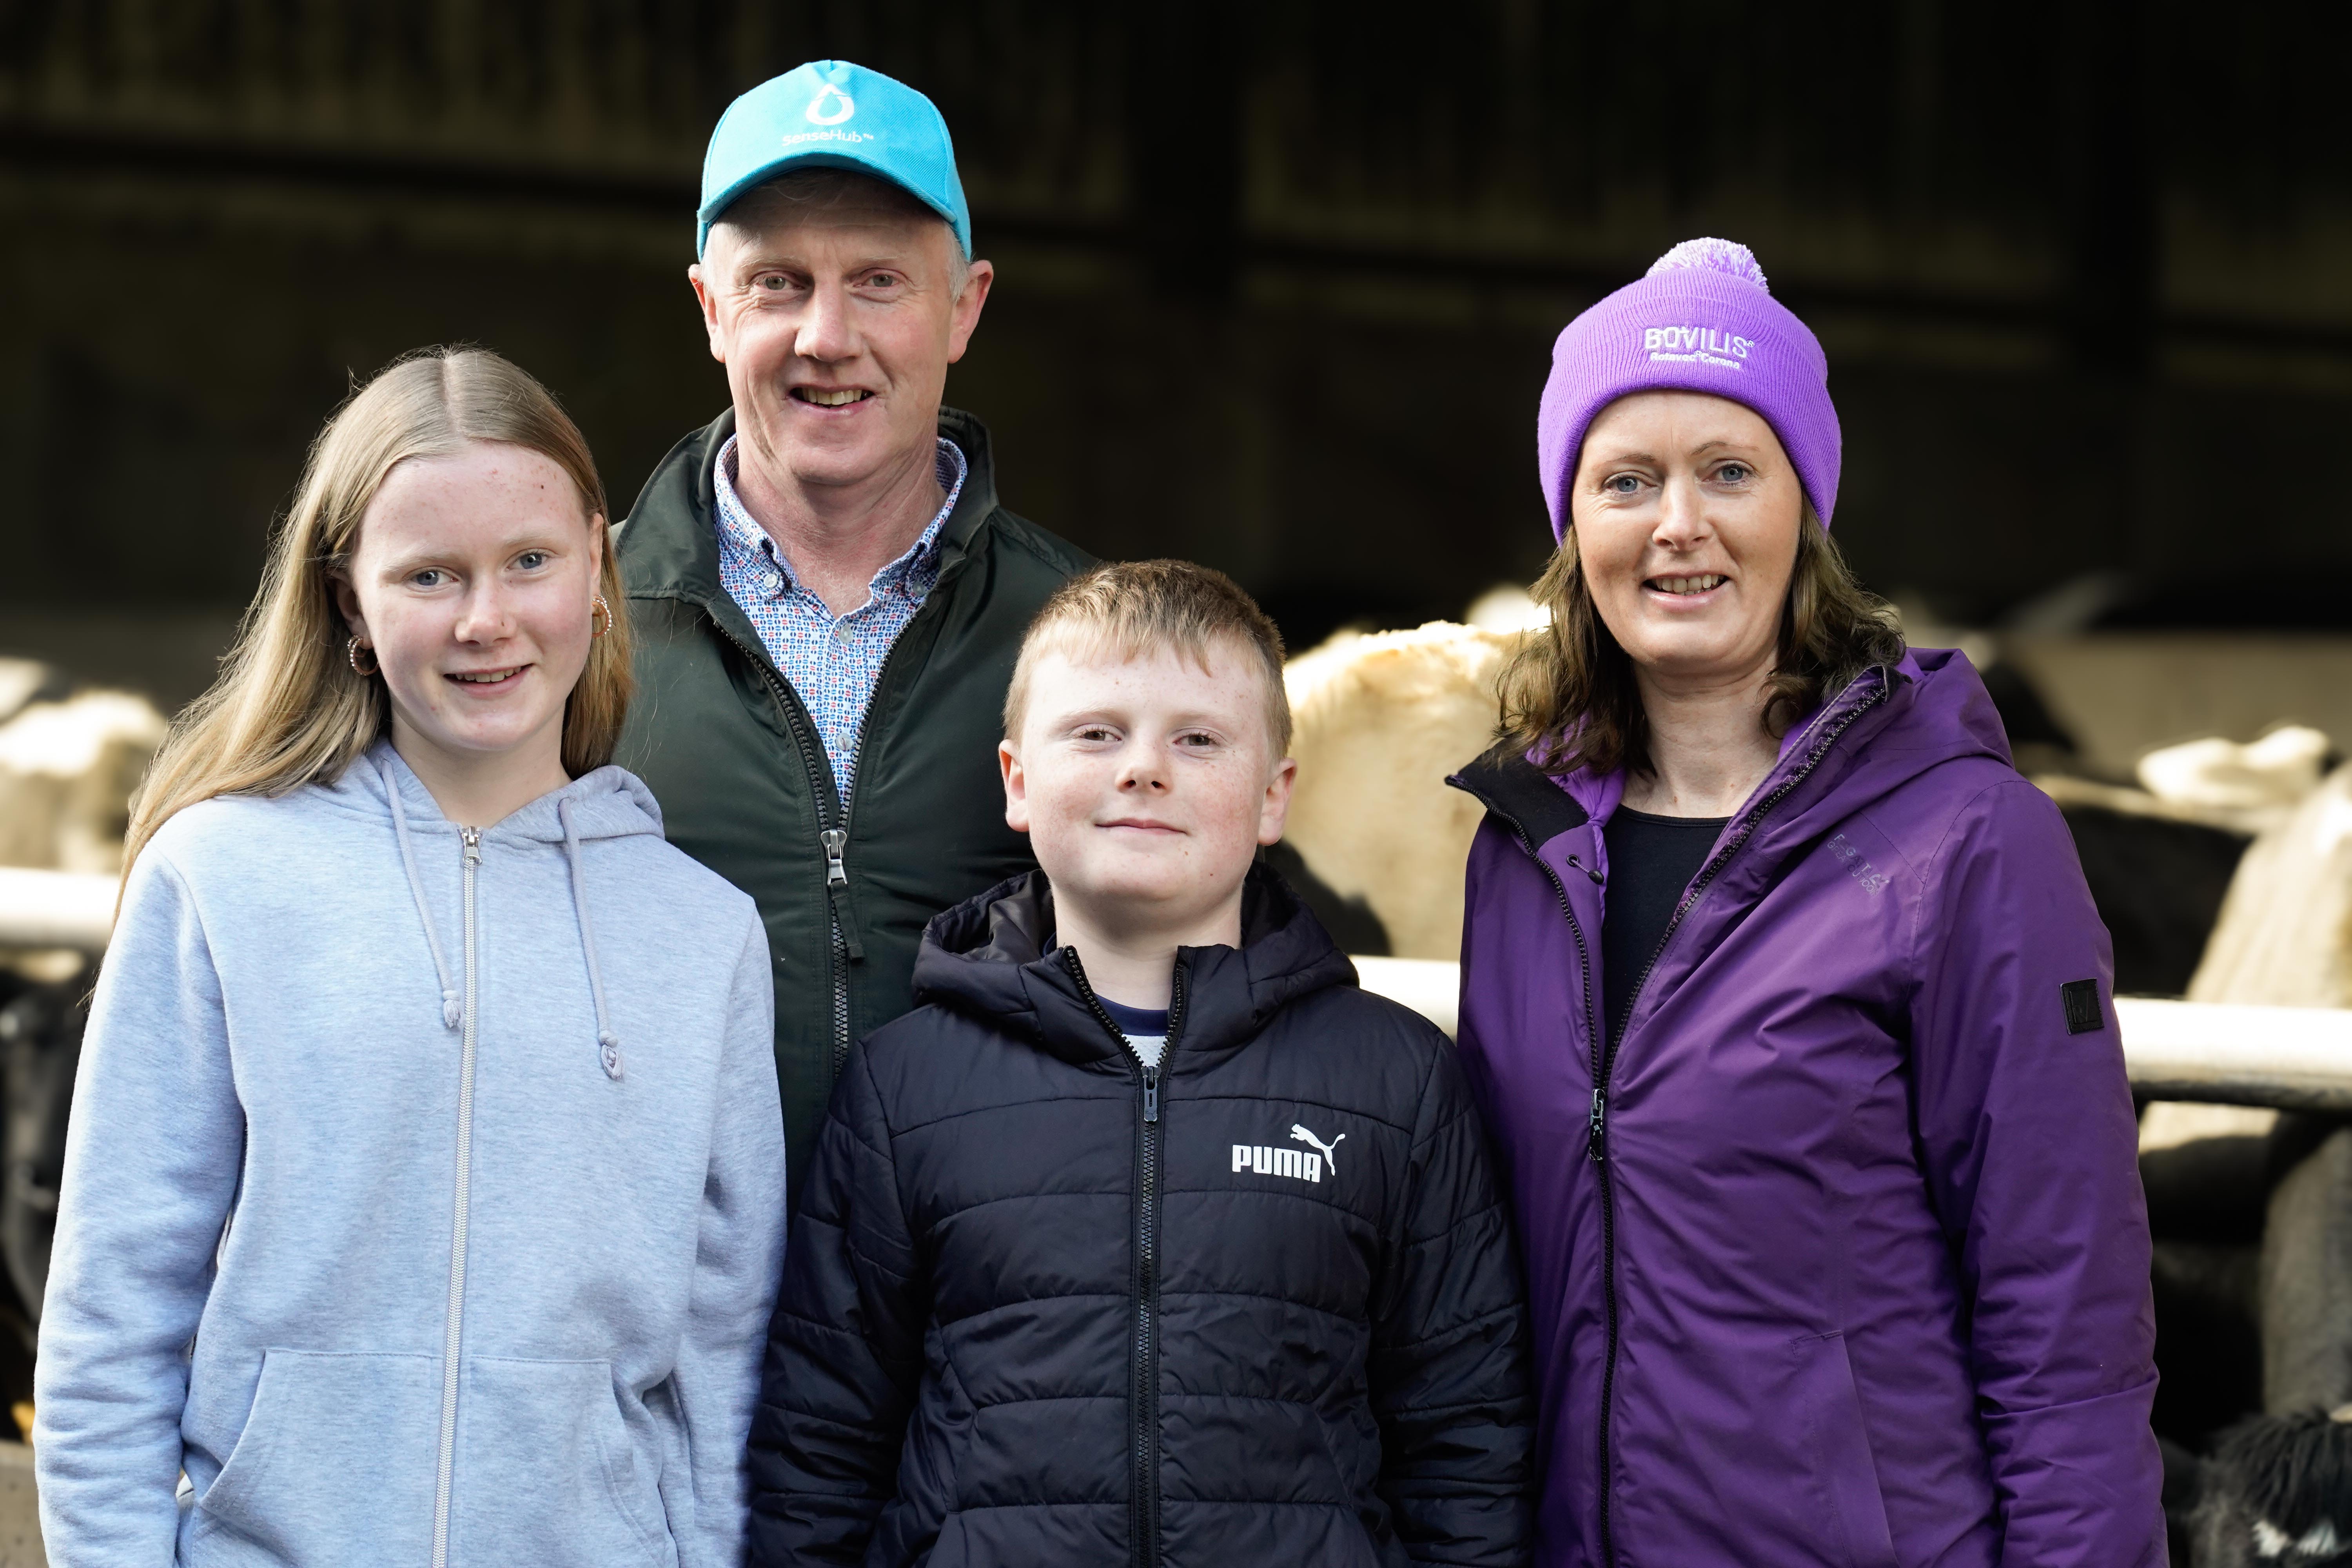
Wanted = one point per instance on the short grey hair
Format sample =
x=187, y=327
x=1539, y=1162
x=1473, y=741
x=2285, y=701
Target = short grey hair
x=827, y=186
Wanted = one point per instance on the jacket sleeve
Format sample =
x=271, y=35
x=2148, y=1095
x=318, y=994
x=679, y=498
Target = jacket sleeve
x=739, y=1251
x=1448, y=1367
x=2028, y=1134
x=846, y=1349
x=152, y=1157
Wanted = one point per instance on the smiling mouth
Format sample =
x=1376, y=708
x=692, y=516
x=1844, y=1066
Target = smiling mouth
x=488, y=677
x=1701, y=583
x=831, y=396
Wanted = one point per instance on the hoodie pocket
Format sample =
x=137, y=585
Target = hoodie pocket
x=546, y=1472
x=335, y=1465
x=1843, y=1469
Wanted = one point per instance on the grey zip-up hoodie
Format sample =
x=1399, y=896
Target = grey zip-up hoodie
x=425, y=1193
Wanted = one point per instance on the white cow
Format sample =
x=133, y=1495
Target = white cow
x=67, y=771
x=1381, y=719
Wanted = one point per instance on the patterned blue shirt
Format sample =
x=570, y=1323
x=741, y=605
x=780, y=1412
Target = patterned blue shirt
x=832, y=661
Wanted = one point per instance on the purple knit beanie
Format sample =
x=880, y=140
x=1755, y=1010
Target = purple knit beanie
x=1702, y=319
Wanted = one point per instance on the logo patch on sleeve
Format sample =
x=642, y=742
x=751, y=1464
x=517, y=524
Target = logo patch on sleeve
x=2082, y=1011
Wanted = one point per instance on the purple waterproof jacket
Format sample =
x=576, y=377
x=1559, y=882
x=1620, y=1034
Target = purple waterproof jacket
x=1845, y=1259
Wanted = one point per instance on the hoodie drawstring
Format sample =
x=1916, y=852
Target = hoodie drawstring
x=608, y=1043
x=453, y=1007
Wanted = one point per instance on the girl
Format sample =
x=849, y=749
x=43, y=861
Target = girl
x=1790, y=1011
x=425, y=1198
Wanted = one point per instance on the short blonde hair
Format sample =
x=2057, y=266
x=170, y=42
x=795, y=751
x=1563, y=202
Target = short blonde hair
x=288, y=707
x=1136, y=608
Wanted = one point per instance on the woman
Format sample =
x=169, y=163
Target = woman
x=1789, y=1012
x=427, y=1090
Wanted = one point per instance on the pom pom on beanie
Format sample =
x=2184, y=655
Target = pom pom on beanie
x=1714, y=254
x=1702, y=318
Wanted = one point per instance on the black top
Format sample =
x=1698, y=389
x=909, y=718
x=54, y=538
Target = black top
x=1150, y=1021
x=1652, y=860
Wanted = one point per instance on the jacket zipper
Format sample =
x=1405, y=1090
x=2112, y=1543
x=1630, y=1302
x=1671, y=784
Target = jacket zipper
x=1594, y=1149
x=1604, y=1058
x=453, y=1331
x=1144, y=1396
x=833, y=814
x=833, y=833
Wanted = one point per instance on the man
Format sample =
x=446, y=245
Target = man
x=827, y=597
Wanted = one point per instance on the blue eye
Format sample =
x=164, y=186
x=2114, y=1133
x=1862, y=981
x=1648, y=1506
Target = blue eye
x=1732, y=473
x=531, y=560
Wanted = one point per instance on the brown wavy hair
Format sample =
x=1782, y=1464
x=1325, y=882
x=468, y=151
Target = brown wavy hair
x=1569, y=699
x=289, y=709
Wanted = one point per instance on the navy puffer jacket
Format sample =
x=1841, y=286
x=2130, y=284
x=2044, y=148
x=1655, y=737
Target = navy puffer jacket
x=1043, y=1305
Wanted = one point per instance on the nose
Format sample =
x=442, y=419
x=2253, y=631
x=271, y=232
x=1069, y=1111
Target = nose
x=484, y=615
x=826, y=332
x=1682, y=512
x=1143, y=770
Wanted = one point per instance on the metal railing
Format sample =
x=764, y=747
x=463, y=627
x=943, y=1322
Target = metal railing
x=2294, y=1058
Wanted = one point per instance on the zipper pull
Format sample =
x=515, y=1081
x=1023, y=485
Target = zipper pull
x=1150, y=1092
x=473, y=837
x=1597, y=1145
x=836, y=840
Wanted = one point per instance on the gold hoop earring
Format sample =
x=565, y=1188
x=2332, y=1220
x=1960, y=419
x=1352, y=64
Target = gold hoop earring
x=352, y=651
x=599, y=608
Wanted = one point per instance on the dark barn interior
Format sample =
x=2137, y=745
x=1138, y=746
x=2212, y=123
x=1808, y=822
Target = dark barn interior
x=1277, y=282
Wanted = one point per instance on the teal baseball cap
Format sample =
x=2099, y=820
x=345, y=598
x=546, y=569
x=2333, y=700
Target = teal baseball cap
x=831, y=114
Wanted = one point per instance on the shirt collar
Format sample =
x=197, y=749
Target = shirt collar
x=739, y=533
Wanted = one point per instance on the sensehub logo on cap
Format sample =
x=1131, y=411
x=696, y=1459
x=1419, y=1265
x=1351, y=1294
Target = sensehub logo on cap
x=831, y=107
x=818, y=114
x=1697, y=345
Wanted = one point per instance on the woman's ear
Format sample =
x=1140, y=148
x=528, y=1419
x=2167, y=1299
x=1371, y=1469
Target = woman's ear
x=346, y=601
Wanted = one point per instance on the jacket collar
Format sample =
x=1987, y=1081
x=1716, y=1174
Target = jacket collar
x=670, y=543
x=993, y=956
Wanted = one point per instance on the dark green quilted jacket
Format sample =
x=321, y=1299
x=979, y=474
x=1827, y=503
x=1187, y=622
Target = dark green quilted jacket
x=744, y=786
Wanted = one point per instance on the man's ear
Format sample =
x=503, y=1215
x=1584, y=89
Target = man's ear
x=1275, y=814
x=964, y=315
x=707, y=297
x=1016, y=787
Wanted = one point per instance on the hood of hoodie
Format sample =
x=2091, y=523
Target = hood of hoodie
x=995, y=955
x=609, y=803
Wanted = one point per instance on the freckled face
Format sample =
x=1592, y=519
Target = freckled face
x=1147, y=783
x=474, y=579
x=1686, y=513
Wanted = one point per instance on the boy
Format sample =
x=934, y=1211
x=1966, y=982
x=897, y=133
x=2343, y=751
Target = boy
x=1147, y=1238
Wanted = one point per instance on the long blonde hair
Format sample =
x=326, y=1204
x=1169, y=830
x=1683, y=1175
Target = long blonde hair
x=288, y=707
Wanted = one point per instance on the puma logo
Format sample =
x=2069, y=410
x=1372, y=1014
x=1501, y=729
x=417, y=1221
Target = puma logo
x=1303, y=1136
x=1297, y=1163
